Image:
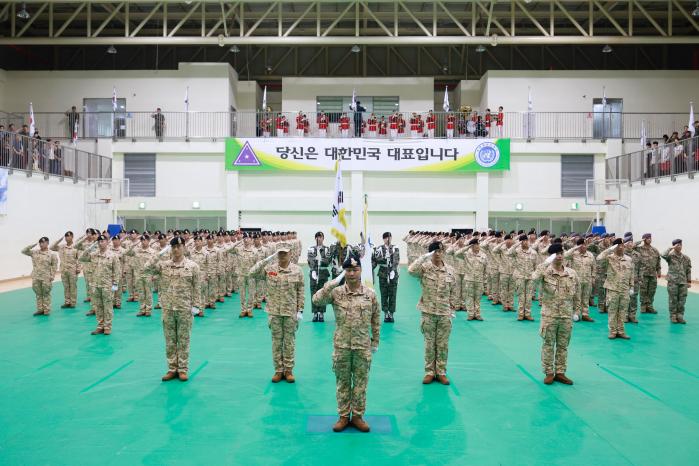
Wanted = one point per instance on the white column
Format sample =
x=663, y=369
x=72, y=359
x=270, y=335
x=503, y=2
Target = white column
x=232, y=200
x=482, y=197
x=356, y=206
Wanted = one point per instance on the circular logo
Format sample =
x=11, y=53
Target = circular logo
x=487, y=154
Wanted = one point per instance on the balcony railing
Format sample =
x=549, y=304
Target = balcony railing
x=668, y=160
x=177, y=126
x=50, y=158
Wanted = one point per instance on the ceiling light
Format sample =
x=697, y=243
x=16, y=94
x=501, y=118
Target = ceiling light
x=494, y=40
x=23, y=13
x=480, y=48
x=269, y=68
x=355, y=49
x=445, y=68
x=221, y=40
x=111, y=50
x=606, y=49
x=235, y=49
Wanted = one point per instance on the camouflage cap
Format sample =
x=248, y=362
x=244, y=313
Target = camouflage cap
x=283, y=247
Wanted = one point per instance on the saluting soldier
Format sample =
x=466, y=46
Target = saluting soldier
x=69, y=267
x=679, y=279
x=105, y=281
x=475, y=265
x=618, y=284
x=649, y=258
x=44, y=267
x=584, y=264
x=387, y=258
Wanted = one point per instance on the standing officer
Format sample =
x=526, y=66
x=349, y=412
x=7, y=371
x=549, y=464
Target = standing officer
x=475, y=266
x=119, y=251
x=285, y=300
x=44, y=266
x=524, y=262
x=200, y=257
x=70, y=269
x=618, y=286
x=180, y=295
x=583, y=262
x=679, y=279
x=436, y=304
x=140, y=255
x=387, y=257
x=247, y=257
x=319, y=263
x=635, y=260
x=133, y=240
x=357, y=315
x=558, y=286
x=83, y=243
x=105, y=281
x=649, y=259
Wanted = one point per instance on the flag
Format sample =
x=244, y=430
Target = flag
x=338, y=224
x=367, y=271
x=74, y=135
x=114, y=99
x=604, y=97
x=186, y=99
x=264, y=100
x=691, y=118
x=530, y=102
x=32, y=127
x=445, y=105
x=353, y=105
x=643, y=134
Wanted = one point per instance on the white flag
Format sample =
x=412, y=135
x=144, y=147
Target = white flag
x=264, y=100
x=445, y=105
x=186, y=99
x=530, y=102
x=338, y=223
x=353, y=105
x=114, y=99
x=32, y=126
x=691, y=118
x=604, y=97
x=643, y=134
x=74, y=136
x=367, y=271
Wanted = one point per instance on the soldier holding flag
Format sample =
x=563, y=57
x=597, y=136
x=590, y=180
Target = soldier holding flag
x=319, y=261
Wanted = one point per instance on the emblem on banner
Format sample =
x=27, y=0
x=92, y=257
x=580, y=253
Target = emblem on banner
x=247, y=157
x=487, y=154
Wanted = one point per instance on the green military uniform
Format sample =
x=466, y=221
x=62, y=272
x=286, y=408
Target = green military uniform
x=649, y=262
x=387, y=258
x=633, y=297
x=138, y=258
x=106, y=274
x=679, y=277
x=585, y=266
x=618, y=282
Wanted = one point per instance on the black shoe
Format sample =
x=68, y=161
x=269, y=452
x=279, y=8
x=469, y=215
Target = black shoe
x=387, y=317
x=315, y=317
x=321, y=317
x=390, y=317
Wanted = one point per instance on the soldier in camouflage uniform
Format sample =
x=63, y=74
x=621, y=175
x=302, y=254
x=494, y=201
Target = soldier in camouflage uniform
x=506, y=266
x=559, y=286
x=118, y=250
x=631, y=252
x=70, y=269
x=524, y=262
x=357, y=315
x=133, y=240
x=285, y=300
x=83, y=243
x=604, y=244
x=459, y=266
x=436, y=304
x=387, y=258
x=180, y=295
x=488, y=247
x=210, y=286
x=44, y=267
x=649, y=262
x=584, y=264
x=679, y=279
x=199, y=256
x=475, y=265
x=618, y=284
x=105, y=281
x=139, y=255
x=247, y=257
x=319, y=259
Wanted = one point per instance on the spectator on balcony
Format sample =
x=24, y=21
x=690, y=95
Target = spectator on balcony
x=480, y=128
x=4, y=147
x=37, y=151
x=300, y=124
x=383, y=127
x=344, y=125
x=281, y=125
x=158, y=123
x=664, y=165
x=373, y=124
x=401, y=125
x=322, y=124
x=73, y=120
x=431, y=124
x=451, y=122
x=266, y=125
x=655, y=159
x=413, y=125
x=488, y=119
x=500, y=122
x=358, y=119
x=648, y=159
x=58, y=168
x=680, y=155
x=18, y=152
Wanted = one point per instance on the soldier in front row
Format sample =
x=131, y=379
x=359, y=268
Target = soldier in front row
x=180, y=295
x=319, y=263
x=356, y=336
x=619, y=286
x=285, y=300
x=387, y=258
x=70, y=269
x=679, y=279
x=106, y=273
x=44, y=267
x=649, y=259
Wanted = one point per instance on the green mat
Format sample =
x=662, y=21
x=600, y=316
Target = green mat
x=72, y=398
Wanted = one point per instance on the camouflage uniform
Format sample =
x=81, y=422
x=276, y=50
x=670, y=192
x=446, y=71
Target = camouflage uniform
x=285, y=297
x=558, y=294
x=106, y=272
x=201, y=258
x=247, y=257
x=436, y=304
x=633, y=298
x=356, y=312
x=505, y=264
x=180, y=291
x=493, y=270
x=475, y=266
x=585, y=266
x=319, y=261
x=210, y=285
x=649, y=259
x=121, y=255
x=523, y=264
x=601, y=277
x=388, y=260
x=139, y=257
x=88, y=268
x=44, y=267
x=129, y=272
x=70, y=269
x=619, y=281
x=459, y=269
x=679, y=275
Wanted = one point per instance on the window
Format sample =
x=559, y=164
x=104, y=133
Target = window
x=139, y=169
x=100, y=118
x=176, y=223
x=575, y=170
x=607, y=118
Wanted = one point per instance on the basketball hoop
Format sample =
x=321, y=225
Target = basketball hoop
x=106, y=200
x=609, y=201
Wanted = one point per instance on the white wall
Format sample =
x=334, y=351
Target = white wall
x=248, y=96
x=415, y=94
x=666, y=210
x=36, y=208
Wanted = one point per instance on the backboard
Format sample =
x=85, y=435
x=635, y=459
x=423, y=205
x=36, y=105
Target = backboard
x=101, y=197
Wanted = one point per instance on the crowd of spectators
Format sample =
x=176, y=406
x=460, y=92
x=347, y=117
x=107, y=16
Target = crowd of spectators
x=677, y=153
x=20, y=150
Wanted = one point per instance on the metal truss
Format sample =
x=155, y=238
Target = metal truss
x=328, y=23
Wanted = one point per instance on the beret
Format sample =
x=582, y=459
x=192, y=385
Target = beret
x=352, y=260
x=176, y=240
x=675, y=242
x=555, y=248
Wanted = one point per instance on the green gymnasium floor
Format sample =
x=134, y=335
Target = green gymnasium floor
x=72, y=398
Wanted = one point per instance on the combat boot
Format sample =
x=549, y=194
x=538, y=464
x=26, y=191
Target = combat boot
x=528, y=317
x=548, y=380
x=315, y=317
x=341, y=424
x=39, y=313
x=107, y=331
x=321, y=317
x=471, y=318
x=169, y=376
x=97, y=331
x=360, y=424
x=428, y=379
x=587, y=319
x=182, y=376
x=632, y=319
x=680, y=320
x=91, y=312
x=289, y=377
x=277, y=377
x=386, y=317
x=443, y=379
x=623, y=336
x=563, y=379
